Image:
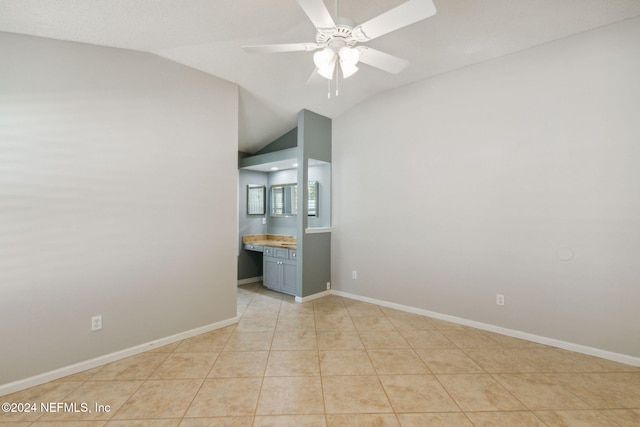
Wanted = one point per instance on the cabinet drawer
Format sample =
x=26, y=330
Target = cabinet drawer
x=276, y=252
x=293, y=254
x=257, y=248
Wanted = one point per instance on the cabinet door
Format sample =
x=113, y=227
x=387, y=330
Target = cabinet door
x=272, y=273
x=289, y=277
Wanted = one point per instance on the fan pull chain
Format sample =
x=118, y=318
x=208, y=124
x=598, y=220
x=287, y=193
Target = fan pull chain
x=337, y=82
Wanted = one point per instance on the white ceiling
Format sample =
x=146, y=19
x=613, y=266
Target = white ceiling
x=208, y=35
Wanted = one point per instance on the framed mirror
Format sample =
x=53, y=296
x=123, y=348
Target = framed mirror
x=284, y=199
x=256, y=199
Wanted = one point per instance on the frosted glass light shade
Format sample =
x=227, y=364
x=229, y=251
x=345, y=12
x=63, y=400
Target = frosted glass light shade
x=348, y=59
x=325, y=60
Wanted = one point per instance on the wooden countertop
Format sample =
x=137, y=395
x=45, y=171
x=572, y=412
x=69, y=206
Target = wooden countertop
x=275, y=240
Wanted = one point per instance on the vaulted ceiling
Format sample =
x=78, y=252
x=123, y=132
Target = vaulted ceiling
x=208, y=35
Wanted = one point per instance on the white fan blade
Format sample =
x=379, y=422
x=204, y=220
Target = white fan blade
x=278, y=48
x=384, y=61
x=394, y=19
x=317, y=13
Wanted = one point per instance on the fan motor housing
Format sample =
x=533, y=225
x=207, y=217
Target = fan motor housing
x=340, y=36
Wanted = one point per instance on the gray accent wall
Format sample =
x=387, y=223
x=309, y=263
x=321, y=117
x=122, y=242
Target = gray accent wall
x=518, y=176
x=118, y=186
x=249, y=262
x=314, y=139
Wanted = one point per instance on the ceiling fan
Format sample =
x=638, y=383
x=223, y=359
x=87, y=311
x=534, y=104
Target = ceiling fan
x=337, y=40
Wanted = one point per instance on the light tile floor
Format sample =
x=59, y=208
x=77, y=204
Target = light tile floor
x=340, y=362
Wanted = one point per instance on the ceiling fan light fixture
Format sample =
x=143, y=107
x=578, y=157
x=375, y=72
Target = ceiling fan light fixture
x=325, y=60
x=348, y=59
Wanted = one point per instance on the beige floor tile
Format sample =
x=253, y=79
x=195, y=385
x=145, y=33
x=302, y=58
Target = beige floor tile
x=160, y=399
x=546, y=360
x=372, y=323
x=362, y=420
x=470, y=338
x=505, y=419
x=49, y=392
x=257, y=323
x=289, y=421
x=294, y=307
x=582, y=418
x=110, y=395
x=540, y=391
x=138, y=367
x=604, y=390
x=287, y=324
x=444, y=325
x=292, y=363
x=169, y=348
x=397, y=361
x=345, y=362
x=586, y=363
x=240, y=364
x=383, y=339
x=334, y=322
x=393, y=312
x=479, y=392
x=217, y=422
x=172, y=422
x=249, y=341
x=505, y=341
x=290, y=396
x=365, y=310
x=262, y=310
x=417, y=393
x=448, y=361
x=426, y=339
x=85, y=423
x=339, y=340
x=224, y=397
x=295, y=340
x=185, y=365
x=209, y=342
x=454, y=419
x=624, y=417
x=318, y=372
x=499, y=360
x=412, y=323
x=354, y=394
x=22, y=423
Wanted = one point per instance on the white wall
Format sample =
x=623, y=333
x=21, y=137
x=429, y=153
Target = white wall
x=118, y=194
x=469, y=184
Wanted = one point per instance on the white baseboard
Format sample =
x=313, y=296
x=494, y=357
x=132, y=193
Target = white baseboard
x=249, y=280
x=314, y=296
x=578, y=348
x=19, y=385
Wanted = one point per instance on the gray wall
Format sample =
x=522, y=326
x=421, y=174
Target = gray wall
x=475, y=182
x=249, y=262
x=281, y=225
x=321, y=173
x=117, y=198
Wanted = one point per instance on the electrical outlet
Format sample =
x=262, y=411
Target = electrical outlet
x=354, y=275
x=499, y=299
x=328, y=285
x=264, y=221
x=96, y=323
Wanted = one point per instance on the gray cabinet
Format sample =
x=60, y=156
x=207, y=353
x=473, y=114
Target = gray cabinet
x=279, y=270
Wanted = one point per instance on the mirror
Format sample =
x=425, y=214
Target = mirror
x=284, y=199
x=256, y=199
